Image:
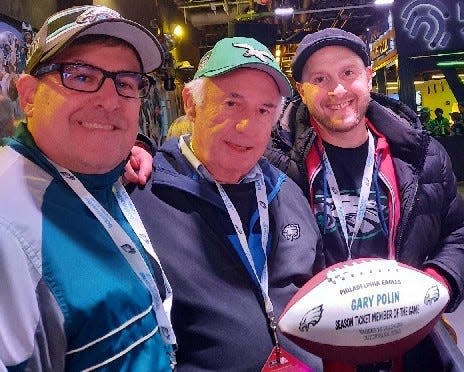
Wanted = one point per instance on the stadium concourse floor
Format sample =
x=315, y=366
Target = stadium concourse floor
x=457, y=317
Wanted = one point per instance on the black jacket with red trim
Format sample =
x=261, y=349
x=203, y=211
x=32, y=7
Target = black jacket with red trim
x=430, y=231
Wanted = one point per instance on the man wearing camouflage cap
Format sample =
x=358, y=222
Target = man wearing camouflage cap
x=78, y=275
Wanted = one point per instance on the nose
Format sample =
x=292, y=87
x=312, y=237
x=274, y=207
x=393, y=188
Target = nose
x=108, y=96
x=242, y=124
x=339, y=90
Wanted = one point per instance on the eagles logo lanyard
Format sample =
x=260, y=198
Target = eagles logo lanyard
x=261, y=197
x=126, y=247
x=363, y=195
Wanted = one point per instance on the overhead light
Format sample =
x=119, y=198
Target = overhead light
x=383, y=2
x=439, y=76
x=283, y=11
x=450, y=64
x=178, y=31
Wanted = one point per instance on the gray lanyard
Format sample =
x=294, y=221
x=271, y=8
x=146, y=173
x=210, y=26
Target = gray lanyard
x=363, y=195
x=125, y=245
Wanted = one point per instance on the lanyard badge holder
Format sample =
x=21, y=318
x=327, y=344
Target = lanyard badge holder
x=132, y=255
x=279, y=359
x=363, y=196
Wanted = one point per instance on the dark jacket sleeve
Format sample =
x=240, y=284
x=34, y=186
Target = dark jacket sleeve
x=449, y=257
x=280, y=159
x=146, y=143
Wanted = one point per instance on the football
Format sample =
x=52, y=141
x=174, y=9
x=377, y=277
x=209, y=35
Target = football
x=363, y=311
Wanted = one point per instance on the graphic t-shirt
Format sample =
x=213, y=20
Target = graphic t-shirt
x=370, y=241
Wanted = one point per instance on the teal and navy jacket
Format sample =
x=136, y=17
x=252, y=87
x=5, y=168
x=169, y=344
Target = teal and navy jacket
x=69, y=301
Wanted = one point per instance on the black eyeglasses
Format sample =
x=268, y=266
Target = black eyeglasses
x=88, y=78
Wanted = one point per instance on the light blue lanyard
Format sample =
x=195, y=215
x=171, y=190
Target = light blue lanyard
x=363, y=196
x=261, y=197
x=127, y=249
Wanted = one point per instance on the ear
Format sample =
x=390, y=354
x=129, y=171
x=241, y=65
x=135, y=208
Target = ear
x=189, y=104
x=299, y=88
x=369, y=76
x=27, y=86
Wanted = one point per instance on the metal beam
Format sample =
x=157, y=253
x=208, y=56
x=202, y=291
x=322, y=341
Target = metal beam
x=210, y=4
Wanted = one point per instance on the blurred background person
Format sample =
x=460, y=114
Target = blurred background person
x=5, y=79
x=181, y=125
x=440, y=126
x=458, y=120
x=6, y=117
x=424, y=116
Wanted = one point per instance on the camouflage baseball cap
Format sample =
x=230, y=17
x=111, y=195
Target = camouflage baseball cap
x=61, y=28
x=241, y=52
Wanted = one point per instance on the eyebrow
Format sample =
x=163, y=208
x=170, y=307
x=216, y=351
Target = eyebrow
x=236, y=95
x=270, y=105
x=239, y=96
x=76, y=61
x=344, y=66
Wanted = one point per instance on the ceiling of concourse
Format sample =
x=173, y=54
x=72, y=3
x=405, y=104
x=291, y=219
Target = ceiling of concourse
x=207, y=21
x=219, y=18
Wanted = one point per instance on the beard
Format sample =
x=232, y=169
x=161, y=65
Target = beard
x=345, y=122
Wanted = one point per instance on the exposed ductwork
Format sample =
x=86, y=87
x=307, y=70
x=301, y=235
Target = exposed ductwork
x=216, y=17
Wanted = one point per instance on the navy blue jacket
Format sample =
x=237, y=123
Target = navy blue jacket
x=218, y=313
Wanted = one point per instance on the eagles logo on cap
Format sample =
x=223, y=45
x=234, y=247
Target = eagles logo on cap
x=242, y=52
x=252, y=52
x=97, y=14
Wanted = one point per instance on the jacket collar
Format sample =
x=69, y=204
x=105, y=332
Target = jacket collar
x=401, y=127
x=173, y=169
x=391, y=119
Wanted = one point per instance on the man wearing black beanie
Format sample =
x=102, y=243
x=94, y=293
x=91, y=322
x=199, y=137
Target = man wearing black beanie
x=347, y=147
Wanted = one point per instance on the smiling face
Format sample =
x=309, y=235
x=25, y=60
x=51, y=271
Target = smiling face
x=336, y=89
x=232, y=124
x=84, y=132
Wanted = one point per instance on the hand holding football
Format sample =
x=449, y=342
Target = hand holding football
x=364, y=310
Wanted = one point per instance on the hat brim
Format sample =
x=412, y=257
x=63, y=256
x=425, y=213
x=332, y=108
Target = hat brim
x=282, y=82
x=146, y=45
